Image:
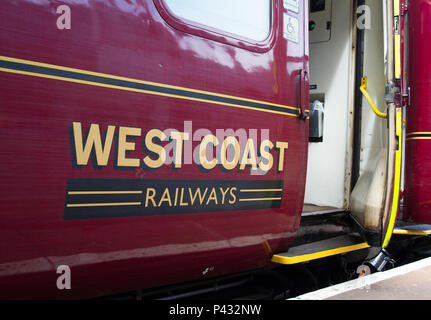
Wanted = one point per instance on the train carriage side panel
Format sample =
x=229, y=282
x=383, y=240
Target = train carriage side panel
x=81, y=108
x=418, y=155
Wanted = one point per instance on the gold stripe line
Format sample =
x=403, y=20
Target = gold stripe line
x=112, y=204
x=260, y=199
x=419, y=138
x=103, y=192
x=261, y=190
x=413, y=133
x=141, y=91
x=46, y=65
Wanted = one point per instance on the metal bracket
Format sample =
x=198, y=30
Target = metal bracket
x=364, y=82
x=379, y=262
x=407, y=98
x=396, y=25
x=390, y=91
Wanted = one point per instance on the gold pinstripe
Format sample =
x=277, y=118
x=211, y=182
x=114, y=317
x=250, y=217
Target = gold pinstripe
x=106, y=204
x=46, y=65
x=409, y=136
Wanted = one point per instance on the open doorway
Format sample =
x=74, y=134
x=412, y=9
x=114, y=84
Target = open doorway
x=336, y=61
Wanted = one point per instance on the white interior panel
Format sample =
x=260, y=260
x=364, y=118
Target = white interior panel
x=373, y=131
x=321, y=19
x=330, y=71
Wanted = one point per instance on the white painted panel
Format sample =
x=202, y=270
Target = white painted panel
x=374, y=131
x=368, y=196
x=321, y=19
x=329, y=70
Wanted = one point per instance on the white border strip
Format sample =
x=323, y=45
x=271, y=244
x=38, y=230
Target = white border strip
x=363, y=282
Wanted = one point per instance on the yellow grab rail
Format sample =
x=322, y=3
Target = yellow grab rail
x=363, y=89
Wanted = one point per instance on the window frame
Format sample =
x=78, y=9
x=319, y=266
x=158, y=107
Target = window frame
x=218, y=35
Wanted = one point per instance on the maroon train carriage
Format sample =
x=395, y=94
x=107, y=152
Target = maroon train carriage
x=149, y=143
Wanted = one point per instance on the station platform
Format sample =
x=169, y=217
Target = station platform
x=409, y=282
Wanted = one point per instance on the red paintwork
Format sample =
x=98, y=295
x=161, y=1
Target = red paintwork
x=418, y=152
x=131, y=39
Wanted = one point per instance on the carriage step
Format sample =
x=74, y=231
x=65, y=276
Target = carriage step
x=320, y=249
x=412, y=229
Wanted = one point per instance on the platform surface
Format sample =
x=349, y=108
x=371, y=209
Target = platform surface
x=408, y=282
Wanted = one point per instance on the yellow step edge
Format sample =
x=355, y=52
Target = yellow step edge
x=318, y=255
x=412, y=232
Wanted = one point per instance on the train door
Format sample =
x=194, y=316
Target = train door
x=355, y=145
x=417, y=90
x=375, y=197
x=414, y=219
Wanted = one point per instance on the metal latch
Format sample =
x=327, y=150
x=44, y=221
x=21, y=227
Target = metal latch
x=397, y=25
x=407, y=97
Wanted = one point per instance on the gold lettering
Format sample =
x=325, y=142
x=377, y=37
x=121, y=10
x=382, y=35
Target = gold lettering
x=233, y=200
x=208, y=165
x=166, y=197
x=213, y=196
x=230, y=165
x=179, y=138
x=266, y=155
x=249, y=156
x=93, y=139
x=124, y=146
x=197, y=192
x=223, y=194
x=282, y=147
x=176, y=197
x=150, y=197
x=182, y=204
x=159, y=150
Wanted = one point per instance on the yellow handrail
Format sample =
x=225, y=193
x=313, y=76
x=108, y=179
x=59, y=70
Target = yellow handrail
x=363, y=89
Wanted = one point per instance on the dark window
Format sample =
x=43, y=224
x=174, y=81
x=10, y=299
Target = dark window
x=317, y=5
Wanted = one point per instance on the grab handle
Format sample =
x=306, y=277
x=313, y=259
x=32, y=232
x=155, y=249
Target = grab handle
x=303, y=93
x=363, y=89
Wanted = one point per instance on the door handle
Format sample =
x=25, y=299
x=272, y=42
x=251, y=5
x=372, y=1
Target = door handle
x=303, y=93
